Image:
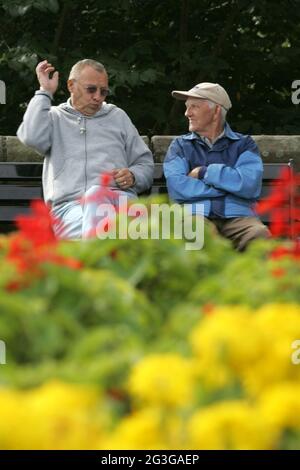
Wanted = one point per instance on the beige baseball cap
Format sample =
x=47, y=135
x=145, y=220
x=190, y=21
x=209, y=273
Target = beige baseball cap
x=210, y=91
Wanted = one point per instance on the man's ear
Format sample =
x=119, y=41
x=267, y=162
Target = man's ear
x=218, y=111
x=70, y=85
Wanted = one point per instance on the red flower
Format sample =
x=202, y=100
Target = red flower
x=105, y=179
x=281, y=251
x=284, y=218
x=102, y=226
x=275, y=199
x=14, y=286
x=208, y=308
x=104, y=192
x=20, y=253
x=37, y=226
x=33, y=245
x=114, y=253
x=278, y=272
x=63, y=261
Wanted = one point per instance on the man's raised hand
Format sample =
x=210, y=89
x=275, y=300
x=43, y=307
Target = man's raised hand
x=43, y=69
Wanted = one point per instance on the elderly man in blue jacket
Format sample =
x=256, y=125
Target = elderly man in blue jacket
x=214, y=169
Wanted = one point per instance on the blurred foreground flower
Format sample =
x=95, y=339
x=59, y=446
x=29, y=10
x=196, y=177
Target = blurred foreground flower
x=237, y=389
x=53, y=416
x=284, y=221
x=33, y=245
x=167, y=379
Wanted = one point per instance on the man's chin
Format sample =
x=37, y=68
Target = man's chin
x=96, y=106
x=93, y=109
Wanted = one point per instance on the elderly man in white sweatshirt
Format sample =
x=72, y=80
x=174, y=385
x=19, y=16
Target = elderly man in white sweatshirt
x=82, y=139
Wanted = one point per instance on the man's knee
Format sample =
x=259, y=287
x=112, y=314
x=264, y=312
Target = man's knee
x=69, y=221
x=256, y=230
x=259, y=231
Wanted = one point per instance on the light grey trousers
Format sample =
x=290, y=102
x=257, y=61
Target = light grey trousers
x=78, y=220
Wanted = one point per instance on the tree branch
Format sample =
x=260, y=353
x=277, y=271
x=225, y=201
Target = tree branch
x=183, y=36
x=60, y=27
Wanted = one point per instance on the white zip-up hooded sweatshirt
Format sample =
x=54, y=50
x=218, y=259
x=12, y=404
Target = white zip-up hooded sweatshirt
x=79, y=148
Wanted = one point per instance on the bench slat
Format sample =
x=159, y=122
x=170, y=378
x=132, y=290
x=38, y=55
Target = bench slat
x=20, y=193
x=273, y=170
x=8, y=213
x=21, y=171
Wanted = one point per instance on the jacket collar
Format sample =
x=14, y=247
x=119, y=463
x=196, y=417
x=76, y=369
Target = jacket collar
x=229, y=133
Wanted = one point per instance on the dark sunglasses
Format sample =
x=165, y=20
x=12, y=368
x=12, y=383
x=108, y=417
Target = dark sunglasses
x=91, y=89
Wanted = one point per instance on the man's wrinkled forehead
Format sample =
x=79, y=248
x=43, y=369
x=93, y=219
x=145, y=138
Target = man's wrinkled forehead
x=195, y=101
x=88, y=73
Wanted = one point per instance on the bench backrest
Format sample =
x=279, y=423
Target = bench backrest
x=273, y=148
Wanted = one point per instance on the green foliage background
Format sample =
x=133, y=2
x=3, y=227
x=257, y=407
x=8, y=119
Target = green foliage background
x=130, y=298
x=151, y=47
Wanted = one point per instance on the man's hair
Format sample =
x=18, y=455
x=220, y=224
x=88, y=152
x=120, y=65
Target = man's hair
x=79, y=66
x=223, y=111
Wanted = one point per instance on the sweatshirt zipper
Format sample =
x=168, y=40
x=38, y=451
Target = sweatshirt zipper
x=85, y=151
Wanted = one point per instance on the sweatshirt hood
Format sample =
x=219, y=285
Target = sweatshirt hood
x=106, y=108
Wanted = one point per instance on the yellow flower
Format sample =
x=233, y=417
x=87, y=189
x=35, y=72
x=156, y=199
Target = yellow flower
x=148, y=428
x=230, y=425
x=166, y=379
x=53, y=416
x=281, y=405
x=279, y=325
x=224, y=343
x=252, y=348
x=15, y=423
x=140, y=430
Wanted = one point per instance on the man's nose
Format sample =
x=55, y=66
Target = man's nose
x=187, y=112
x=97, y=95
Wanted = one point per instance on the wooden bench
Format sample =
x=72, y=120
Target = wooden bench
x=20, y=182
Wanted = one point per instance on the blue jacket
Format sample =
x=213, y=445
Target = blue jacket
x=230, y=178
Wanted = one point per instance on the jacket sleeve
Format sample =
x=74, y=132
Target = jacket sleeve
x=244, y=180
x=183, y=188
x=36, y=128
x=140, y=159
